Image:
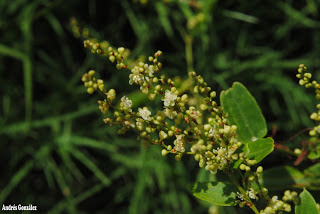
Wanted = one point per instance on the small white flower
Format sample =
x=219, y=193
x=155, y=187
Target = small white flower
x=170, y=113
x=145, y=113
x=149, y=70
x=135, y=77
x=194, y=113
x=126, y=103
x=252, y=194
x=169, y=98
x=212, y=131
x=179, y=143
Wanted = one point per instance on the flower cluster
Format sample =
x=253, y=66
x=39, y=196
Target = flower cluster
x=276, y=206
x=182, y=126
x=92, y=83
x=305, y=80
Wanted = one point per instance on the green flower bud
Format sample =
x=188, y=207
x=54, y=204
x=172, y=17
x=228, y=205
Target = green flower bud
x=162, y=135
x=196, y=89
x=213, y=94
x=121, y=50
x=312, y=133
x=297, y=151
x=260, y=169
x=301, y=82
x=164, y=152
x=90, y=90
x=111, y=94
x=101, y=87
x=91, y=73
x=234, y=156
x=112, y=58
x=242, y=166
x=203, y=107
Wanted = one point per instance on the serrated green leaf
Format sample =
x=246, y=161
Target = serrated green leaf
x=220, y=193
x=244, y=112
x=284, y=177
x=307, y=204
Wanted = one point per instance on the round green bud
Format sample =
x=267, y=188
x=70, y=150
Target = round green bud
x=287, y=208
x=312, y=133
x=234, y=128
x=260, y=169
x=169, y=147
x=314, y=116
x=164, y=152
x=119, y=66
x=207, y=127
x=268, y=210
x=203, y=107
x=196, y=89
x=209, y=154
x=234, y=156
x=91, y=73
x=101, y=87
x=90, y=90
x=301, y=82
x=213, y=94
x=112, y=58
x=297, y=151
x=162, y=135
x=111, y=94
x=242, y=166
x=264, y=190
x=121, y=50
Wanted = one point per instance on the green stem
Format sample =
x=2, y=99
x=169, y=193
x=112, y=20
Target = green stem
x=243, y=192
x=189, y=54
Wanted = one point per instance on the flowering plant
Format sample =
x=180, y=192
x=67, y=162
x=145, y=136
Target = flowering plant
x=229, y=137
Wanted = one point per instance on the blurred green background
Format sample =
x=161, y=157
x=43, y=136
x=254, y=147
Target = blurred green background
x=57, y=153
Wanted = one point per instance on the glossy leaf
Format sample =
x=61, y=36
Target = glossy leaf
x=284, y=177
x=306, y=204
x=220, y=193
x=313, y=175
x=259, y=149
x=244, y=112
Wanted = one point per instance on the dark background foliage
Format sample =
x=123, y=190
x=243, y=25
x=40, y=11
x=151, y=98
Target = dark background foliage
x=57, y=153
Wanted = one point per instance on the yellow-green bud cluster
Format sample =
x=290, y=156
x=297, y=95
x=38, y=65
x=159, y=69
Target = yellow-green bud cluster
x=289, y=196
x=77, y=31
x=276, y=206
x=92, y=83
x=305, y=80
x=201, y=86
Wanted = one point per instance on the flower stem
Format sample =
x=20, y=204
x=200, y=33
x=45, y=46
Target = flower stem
x=243, y=192
x=189, y=55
